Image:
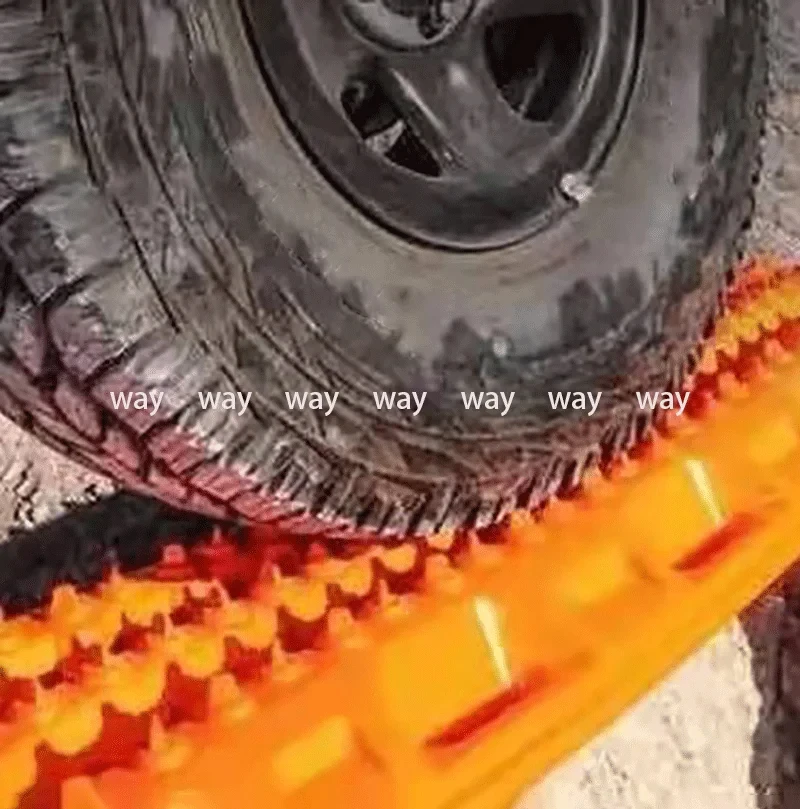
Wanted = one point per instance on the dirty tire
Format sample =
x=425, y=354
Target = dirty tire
x=161, y=231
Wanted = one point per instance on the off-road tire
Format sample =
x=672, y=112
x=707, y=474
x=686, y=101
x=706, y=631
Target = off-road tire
x=161, y=229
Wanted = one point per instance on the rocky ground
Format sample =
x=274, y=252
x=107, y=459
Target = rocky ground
x=724, y=731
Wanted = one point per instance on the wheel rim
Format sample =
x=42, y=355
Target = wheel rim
x=465, y=124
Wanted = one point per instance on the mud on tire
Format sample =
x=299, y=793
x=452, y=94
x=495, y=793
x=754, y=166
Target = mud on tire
x=161, y=229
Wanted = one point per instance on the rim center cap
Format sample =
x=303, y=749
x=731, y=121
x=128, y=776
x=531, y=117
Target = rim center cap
x=407, y=23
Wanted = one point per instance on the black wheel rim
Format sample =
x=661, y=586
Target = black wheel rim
x=465, y=124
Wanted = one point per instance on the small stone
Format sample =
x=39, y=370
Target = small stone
x=575, y=185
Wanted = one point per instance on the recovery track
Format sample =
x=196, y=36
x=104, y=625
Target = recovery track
x=445, y=671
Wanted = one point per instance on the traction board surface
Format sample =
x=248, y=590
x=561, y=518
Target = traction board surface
x=443, y=671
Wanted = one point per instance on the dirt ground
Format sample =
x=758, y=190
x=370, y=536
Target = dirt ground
x=724, y=731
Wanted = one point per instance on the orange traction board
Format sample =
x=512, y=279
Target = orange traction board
x=446, y=671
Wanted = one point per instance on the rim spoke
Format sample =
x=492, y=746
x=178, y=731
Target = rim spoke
x=455, y=108
x=329, y=40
